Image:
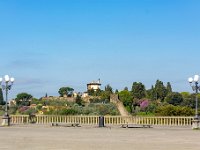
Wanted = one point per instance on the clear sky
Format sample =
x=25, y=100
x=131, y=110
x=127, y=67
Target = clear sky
x=47, y=44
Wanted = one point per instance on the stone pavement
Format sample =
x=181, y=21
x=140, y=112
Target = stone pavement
x=37, y=137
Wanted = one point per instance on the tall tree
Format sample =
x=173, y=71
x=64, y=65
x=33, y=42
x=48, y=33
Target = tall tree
x=23, y=99
x=127, y=99
x=126, y=88
x=174, y=98
x=151, y=93
x=106, y=94
x=108, y=88
x=65, y=91
x=116, y=91
x=169, y=88
x=160, y=89
x=1, y=97
x=138, y=90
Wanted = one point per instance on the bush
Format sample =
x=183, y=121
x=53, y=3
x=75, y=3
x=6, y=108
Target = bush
x=129, y=108
x=170, y=110
x=68, y=112
x=26, y=110
x=96, y=100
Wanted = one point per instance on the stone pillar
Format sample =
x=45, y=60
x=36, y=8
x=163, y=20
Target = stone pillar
x=196, y=124
x=6, y=120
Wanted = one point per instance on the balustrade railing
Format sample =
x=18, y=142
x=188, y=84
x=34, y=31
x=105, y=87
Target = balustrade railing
x=94, y=120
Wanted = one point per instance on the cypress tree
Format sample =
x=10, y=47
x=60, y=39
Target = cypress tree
x=161, y=91
x=169, y=88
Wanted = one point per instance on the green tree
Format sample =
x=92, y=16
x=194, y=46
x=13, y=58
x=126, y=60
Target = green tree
x=185, y=94
x=126, y=97
x=138, y=90
x=93, y=92
x=2, y=102
x=151, y=93
x=65, y=91
x=108, y=88
x=189, y=100
x=169, y=88
x=106, y=94
x=174, y=98
x=78, y=100
x=160, y=89
x=23, y=99
x=116, y=91
x=126, y=88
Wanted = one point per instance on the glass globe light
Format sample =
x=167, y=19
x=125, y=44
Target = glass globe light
x=12, y=79
x=190, y=80
x=196, y=78
x=6, y=78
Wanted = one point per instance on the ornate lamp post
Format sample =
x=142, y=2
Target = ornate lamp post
x=196, y=88
x=6, y=84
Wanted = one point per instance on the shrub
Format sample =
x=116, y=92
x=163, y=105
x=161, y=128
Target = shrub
x=68, y=112
x=170, y=110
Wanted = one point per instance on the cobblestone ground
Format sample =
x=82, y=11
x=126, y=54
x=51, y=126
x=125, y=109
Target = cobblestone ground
x=93, y=138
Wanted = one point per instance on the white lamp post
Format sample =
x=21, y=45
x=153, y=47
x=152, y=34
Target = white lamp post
x=6, y=84
x=196, y=88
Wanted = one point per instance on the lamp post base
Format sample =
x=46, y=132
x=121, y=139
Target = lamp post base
x=6, y=120
x=196, y=124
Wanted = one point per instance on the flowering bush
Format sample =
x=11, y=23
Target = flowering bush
x=144, y=104
x=27, y=110
x=23, y=109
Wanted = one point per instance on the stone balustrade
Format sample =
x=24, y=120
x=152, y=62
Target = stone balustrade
x=108, y=120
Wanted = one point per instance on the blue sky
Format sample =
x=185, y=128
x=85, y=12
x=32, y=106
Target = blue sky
x=47, y=44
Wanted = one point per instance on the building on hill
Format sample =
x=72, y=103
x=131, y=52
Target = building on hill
x=95, y=85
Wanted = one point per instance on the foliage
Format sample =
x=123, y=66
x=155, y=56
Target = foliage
x=68, y=91
x=116, y=91
x=171, y=110
x=97, y=100
x=129, y=108
x=67, y=112
x=138, y=90
x=144, y=104
x=185, y=94
x=190, y=100
x=174, y=98
x=126, y=97
x=160, y=89
x=103, y=109
x=106, y=94
x=151, y=108
x=92, y=92
x=169, y=88
x=108, y=88
x=26, y=110
x=126, y=88
x=151, y=93
x=79, y=100
x=23, y=99
x=13, y=109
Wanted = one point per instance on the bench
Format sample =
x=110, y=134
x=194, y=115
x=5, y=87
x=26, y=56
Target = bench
x=136, y=126
x=65, y=124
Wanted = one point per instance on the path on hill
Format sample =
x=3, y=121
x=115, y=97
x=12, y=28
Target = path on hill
x=122, y=110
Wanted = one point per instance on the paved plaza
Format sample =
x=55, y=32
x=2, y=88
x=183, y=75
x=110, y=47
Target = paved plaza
x=94, y=138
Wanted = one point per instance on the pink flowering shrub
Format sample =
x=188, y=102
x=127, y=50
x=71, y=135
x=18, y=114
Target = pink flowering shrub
x=23, y=109
x=144, y=104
